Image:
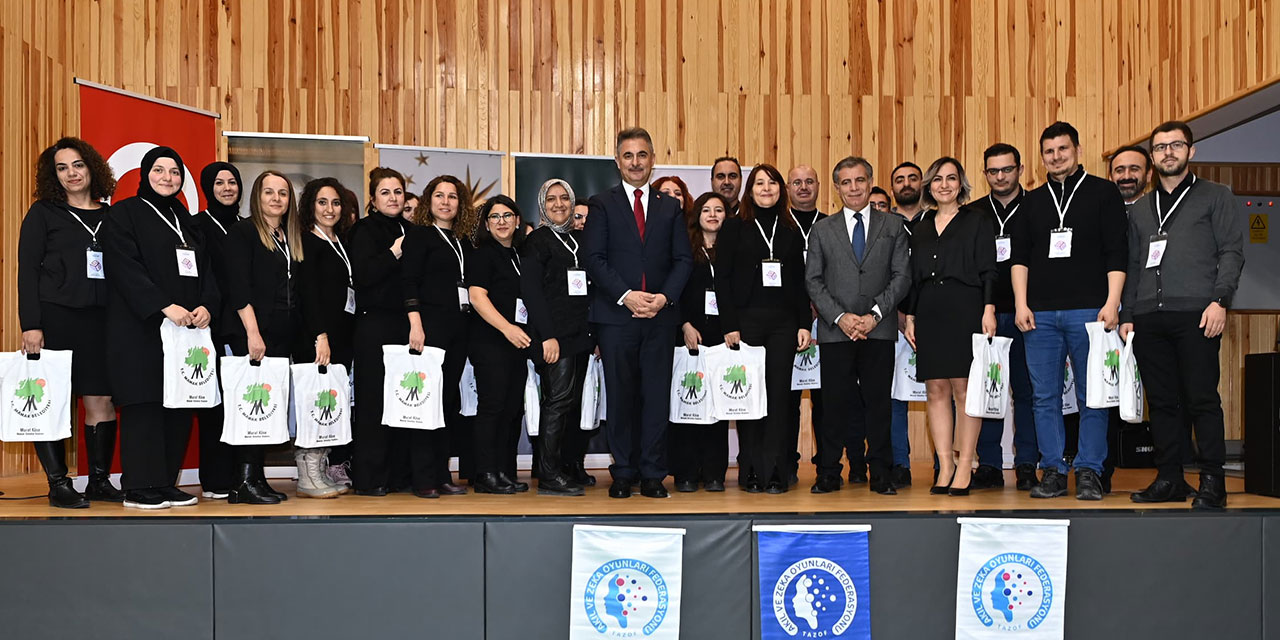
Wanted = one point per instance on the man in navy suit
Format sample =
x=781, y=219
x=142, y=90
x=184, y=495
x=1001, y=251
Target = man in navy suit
x=638, y=258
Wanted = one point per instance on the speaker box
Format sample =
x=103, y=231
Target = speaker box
x=1135, y=448
x=1262, y=424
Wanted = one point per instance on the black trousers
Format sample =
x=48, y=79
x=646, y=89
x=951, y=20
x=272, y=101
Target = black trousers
x=456, y=437
x=379, y=449
x=500, y=378
x=857, y=377
x=765, y=451
x=217, y=461
x=562, y=384
x=637, y=372
x=1180, y=366
x=152, y=445
x=793, y=423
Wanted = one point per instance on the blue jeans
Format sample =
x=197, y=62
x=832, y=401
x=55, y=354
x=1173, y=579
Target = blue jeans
x=898, y=434
x=1024, y=424
x=1057, y=335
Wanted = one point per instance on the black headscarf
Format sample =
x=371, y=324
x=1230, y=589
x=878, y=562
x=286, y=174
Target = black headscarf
x=144, y=184
x=222, y=213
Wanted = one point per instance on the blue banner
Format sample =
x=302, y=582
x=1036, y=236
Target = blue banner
x=814, y=582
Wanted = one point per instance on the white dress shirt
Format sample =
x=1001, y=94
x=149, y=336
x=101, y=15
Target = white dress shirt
x=850, y=225
x=630, y=192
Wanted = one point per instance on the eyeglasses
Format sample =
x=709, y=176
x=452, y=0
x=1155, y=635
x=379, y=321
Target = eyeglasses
x=808, y=181
x=995, y=171
x=880, y=206
x=506, y=215
x=1176, y=145
x=579, y=216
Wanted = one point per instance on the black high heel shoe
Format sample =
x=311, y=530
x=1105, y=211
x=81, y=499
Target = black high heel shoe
x=944, y=489
x=959, y=491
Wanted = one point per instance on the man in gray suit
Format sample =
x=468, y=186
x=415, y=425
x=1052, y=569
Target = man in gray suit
x=855, y=274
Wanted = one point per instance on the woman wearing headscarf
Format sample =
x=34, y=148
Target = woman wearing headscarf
x=159, y=269
x=62, y=297
x=220, y=183
x=438, y=307
x=553, y=285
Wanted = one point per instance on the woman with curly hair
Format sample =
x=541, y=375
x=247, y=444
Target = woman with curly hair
x=62, y=297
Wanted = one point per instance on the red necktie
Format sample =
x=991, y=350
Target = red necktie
x=638, y=209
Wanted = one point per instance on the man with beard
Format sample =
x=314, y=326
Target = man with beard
x=1002, y=167
x=726, y=180
x=1186, y=251
x=905, y=182
x=1131, y=171
x=802, y=191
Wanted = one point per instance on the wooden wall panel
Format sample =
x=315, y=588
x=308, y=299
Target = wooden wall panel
x=787, y=82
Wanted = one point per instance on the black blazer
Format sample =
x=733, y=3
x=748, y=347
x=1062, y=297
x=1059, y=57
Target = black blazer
x=617, y=259
x=51, y=261
x=739, y=252
x=214, y=229
x=255, y=277
x=693, y=305
x=429, y=279
x=544, y=285
x=377, y=270
x=321, y=280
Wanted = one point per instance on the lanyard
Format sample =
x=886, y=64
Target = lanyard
x=337, y=248
x=1160, y=220
x=515, y=263
x=177, y=228
x=805, y=234
x=1062, y=208
x=288, y=257
x=574, y=250
x=215, y=221
x=1006, y=218
x=457, y=251
x=710, y=264
x=772, y=233
x=93, y=233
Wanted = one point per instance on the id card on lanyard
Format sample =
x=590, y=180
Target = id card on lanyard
x=709, y=305
x=185, y=255
x=93, y=269
x=464, y=294
x=575, y=278
x=1004, y=244
x=522, y=312
x=1160, y=241
x=346, y=261
x=771, y=269
x=1060, y=238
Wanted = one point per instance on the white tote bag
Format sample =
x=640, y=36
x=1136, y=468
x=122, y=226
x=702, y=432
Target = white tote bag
x=592, y=386
x=532, y=399
x=412, y=386
x=806, y=372
x=602, y=412
x=190, y=367
x=322, y=404
x=1069, y=402
x=1131, y=407
x=988, y=391
x=36, y=395
x=737, y=382
x=905, y=385
x=467, y=387
x=691, y=397
x=257, y=410
x=1102, y=387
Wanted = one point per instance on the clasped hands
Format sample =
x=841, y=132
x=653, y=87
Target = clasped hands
x=643, y=304
x=857, y=327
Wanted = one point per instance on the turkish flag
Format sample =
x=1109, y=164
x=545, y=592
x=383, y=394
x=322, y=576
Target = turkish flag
x=123, y=128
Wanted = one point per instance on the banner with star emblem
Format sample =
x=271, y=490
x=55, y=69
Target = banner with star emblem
x=300, y=157
x=481, y=171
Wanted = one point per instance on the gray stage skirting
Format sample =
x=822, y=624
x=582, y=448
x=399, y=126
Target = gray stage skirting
x=1130, y=575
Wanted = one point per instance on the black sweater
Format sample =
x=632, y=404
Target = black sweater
x=321, y=281
x=693, y=302
x=51, y=261
x=740, y=250
x=430, y=282
x=377, y=270
x=544, y=285
x=1099, y=244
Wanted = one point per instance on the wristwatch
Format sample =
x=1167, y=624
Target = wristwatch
x=1222, y=302
x=875, y=314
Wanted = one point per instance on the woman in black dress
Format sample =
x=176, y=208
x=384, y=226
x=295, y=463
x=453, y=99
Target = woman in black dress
x=761, y=293
x=498, y=341
x=435, y=296
x=953, y=274
x=220, y=182
x=143, y=239
x=698, y=452
x=62, y=297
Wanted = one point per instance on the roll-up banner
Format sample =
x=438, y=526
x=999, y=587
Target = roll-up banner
x=301, y=158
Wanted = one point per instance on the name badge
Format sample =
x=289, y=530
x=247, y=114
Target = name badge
x=1157, y=249
x=577, y=282
x=464, y=298
x=1004, y=248
x=351, y=301
x=771, y=273
x=1060, y=243
x=709, y=306
x=187, y=263
x=522, y=313
x=93, y=264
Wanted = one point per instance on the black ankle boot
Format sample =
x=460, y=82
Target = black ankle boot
x=260, y=481
x=53, y=457
x=100, y=446
x=247, y=490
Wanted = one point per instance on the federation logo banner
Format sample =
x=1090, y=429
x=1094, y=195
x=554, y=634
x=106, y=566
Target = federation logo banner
x=814, y=581
x=1012, y=578
x=626, y=582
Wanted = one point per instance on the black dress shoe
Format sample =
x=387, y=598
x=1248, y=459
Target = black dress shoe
x=754, y=486
x=653, y=489
x=1161, y=490
x=520, y=487
x=578, y=474
x=1212, y=495
x=1088, y=485
x=559, y=486
x=883, y=487
x=1026, y=475
x=857, y=477
x=429, y=492
x=714, y=486
x=900, y=476
x=373, y=492
x=825, y=484
x=775, y=487
x=451, y=489
x=987, y=477
x=492, y=483
x=620, y=489
x=1053, y=485
x=686, y=486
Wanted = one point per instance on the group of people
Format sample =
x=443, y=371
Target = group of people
x=630, y=275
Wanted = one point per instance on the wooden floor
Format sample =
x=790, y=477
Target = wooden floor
x=856, y=498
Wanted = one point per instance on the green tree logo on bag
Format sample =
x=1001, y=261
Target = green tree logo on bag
x=693, y=391
x=30, y=398
x=412, y=390
x=195, y=367
x=1111, y=362
x=735, y=377
x=994, y=385
x=326, y=404
x=808, y=358
x=259, y=398
x=911, y=366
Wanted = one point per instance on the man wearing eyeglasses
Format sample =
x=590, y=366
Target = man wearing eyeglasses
x=1186, y=251
x=580, y=211
x=880, y=200
x=1002, y=167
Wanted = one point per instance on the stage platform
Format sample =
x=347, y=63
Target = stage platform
x=481, y=567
